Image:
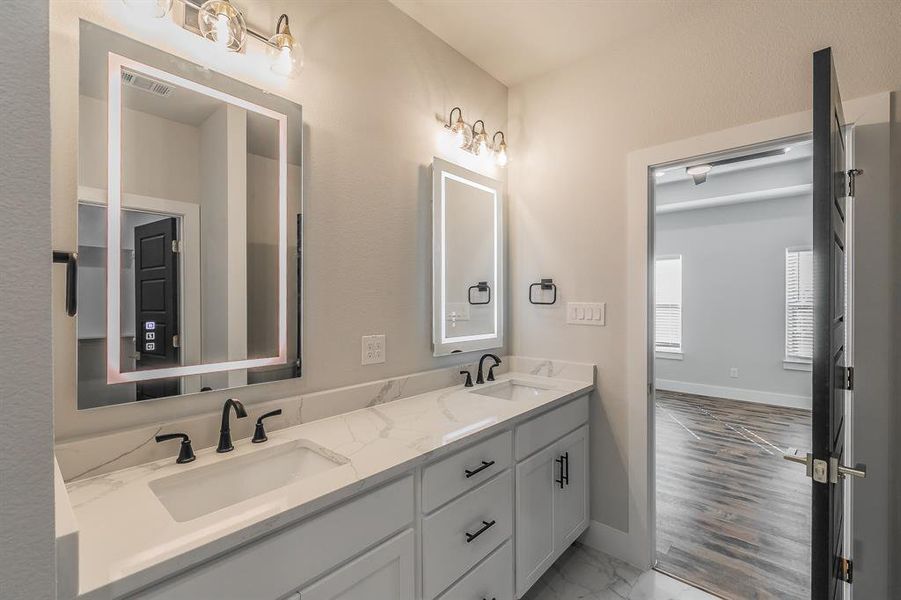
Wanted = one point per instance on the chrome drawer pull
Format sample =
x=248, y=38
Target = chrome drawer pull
x=486, y=525
x=485, y=465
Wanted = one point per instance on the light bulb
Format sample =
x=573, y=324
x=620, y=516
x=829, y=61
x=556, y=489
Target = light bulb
x=483, y=144
x=220, y=32
x=284, y=51
x=222, y=23
x=501, y=155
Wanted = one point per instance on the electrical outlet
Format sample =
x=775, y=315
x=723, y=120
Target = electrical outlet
x=373, y=349
x=733, y=372
x=586, y=313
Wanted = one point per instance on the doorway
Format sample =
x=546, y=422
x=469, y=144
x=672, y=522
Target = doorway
x=732, y=323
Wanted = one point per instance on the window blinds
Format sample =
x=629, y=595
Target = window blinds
x=798, y=304
x=668, y=313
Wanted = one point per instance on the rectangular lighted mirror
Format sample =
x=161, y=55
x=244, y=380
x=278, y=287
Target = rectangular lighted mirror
x=189, y=220
x=468, y=260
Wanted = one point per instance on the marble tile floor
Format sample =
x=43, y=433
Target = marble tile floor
x=583, y=573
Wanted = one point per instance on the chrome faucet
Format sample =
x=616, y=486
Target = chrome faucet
x=225, y=436
x=497, y=361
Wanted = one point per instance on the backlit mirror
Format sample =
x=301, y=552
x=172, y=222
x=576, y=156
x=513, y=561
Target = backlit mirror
x=189, y=227
x=467, y=266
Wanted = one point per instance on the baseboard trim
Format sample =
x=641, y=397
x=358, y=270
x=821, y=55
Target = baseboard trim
x=772, y=398
x=615, y=543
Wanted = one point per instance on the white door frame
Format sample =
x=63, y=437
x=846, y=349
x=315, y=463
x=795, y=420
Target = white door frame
x=639, y=348
x=189, y=267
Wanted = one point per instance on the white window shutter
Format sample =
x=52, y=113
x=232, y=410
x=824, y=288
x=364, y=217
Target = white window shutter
x=668, y=299
x=798, y=304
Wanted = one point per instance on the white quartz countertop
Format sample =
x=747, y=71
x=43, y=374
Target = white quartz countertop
x=128, y=540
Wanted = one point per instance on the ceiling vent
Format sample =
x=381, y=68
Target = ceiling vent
x=146, y=84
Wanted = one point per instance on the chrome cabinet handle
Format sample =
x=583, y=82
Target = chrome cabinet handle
x=486, y=525
x=485, y=465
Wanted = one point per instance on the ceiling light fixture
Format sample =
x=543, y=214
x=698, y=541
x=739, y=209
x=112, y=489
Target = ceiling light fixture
x=222, y=23
x=698, y=172
x=284, y=51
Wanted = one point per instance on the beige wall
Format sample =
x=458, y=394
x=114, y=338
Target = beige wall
x=741, y=63
x=372, y=86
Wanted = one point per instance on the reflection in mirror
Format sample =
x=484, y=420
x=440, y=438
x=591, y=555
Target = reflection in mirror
x=206, y=173
x=468, y=260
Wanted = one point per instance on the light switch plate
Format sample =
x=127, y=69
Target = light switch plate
x=373, y=349
x=586, y=313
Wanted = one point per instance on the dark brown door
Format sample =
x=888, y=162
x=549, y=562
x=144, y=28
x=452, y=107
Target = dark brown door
x=156, y=304
x=830, y=196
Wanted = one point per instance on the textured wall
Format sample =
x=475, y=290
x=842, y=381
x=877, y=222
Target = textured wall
x=741, y=63
x=372, y=85
x=27, y=551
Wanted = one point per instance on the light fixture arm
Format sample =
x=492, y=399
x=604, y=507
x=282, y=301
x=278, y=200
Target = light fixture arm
x=503, y=138
x=474, y=128
x=450, y=117
x=278, y=25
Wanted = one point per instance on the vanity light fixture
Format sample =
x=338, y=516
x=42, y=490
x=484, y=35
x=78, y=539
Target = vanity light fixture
x=479, y=140
x=222, y=23
x=458, y=127
x=500, y=149
x=284, y=51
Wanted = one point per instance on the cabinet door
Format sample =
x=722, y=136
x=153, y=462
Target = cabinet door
x=384, y=572
x=534, y=518
x=570, y=500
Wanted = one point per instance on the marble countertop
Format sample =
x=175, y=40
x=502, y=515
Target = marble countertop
x=128, y=540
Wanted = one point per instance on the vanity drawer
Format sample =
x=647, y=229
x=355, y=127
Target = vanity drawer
x=541, y=431
x=458, y=536
x=459, y=473
x=491, y=580
x=283, y=562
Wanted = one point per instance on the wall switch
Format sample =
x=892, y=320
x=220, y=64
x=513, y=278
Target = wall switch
x=586, y=313
x=373, y=349
x=733, y=373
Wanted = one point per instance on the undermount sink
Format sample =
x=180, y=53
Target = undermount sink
x=203, y=490
x=513, y=390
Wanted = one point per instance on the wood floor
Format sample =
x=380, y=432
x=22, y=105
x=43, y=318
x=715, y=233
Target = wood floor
x=733, y=516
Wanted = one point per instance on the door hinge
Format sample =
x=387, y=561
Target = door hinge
x=852, y=175
x=849, y=378
x=176, y=246
x=846, y=569
x=175, y=341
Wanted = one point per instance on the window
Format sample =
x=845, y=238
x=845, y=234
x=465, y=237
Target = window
x=668, y=311
x=798, y=305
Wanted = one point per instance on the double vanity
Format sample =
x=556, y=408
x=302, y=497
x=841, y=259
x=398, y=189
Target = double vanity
x=186, y=286
x=455, y=493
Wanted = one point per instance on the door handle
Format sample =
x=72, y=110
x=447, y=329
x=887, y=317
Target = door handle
x=563, y=461
x=70, y=259
x=823, y=472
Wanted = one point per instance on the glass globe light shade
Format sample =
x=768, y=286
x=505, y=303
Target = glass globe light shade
x=223, y=24
x=149, y=8
x=285, y=54
x=500, y=155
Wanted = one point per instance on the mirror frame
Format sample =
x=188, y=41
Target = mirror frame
x=443, y=170
x=114, y=208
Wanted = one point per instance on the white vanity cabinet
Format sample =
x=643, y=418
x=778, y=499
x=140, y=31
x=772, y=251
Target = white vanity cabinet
x=551, y=504
x=483, y=522
x=386, y=571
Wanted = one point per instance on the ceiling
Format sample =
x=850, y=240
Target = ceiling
x=517, y=40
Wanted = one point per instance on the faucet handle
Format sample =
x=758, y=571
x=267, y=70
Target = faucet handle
x=186, y=452
x=259, y=433
x=491, y=372
x=468, y=378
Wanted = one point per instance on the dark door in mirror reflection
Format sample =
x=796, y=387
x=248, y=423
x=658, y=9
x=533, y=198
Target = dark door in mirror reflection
x=156, y=304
